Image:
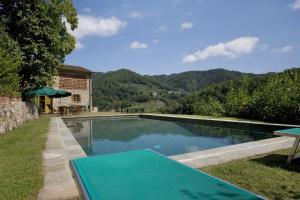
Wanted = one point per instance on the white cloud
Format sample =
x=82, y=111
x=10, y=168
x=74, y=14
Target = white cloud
x=135, y=15
x=186, y=25
x=163, y=28
x=138, y=45
x=94, y=26
x=86, y=10
x=97, y=26
x=230, y=49
x=284, y=49
x=295, y=5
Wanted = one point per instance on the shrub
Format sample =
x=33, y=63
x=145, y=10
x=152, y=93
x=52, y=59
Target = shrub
x=209, y=106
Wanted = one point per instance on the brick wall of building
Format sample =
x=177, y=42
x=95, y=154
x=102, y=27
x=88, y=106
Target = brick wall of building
x=77, y=84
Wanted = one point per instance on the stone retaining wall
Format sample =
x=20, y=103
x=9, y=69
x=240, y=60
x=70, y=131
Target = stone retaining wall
x=14, y=113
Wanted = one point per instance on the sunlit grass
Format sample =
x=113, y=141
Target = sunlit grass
x=267, y=175
x=21, y=150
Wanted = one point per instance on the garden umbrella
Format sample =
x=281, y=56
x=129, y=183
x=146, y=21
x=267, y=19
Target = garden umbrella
x=61, y=93
x=46, y=91
x=40, y=91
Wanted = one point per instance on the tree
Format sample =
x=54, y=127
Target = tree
x=10, y=62
x=39, y=27
x=238, y=99
x=209, y=107
x=278, y=99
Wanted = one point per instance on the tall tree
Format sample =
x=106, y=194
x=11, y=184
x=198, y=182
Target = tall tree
x=39, y=27
x=10, y=62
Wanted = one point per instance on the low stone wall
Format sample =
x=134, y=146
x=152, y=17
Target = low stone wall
x=14, y=113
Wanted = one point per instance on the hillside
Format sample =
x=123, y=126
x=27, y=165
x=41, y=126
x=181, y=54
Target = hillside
x=270, y=97
x=124, y=88
x=195, y=80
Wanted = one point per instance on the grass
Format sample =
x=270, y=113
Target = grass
x=21, y=174
x=267, y=175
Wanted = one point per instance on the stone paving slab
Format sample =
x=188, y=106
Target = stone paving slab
x=61, y=146
x=233, y=152
x=194, y=118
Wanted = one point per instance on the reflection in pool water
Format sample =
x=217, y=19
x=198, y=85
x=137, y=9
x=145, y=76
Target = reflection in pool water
x=110, y=135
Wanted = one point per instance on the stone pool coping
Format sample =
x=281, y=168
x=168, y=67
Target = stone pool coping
x=61, y=147
x=193, y=118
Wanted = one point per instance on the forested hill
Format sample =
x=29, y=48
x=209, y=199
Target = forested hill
x=126, y=88
x=191, y=81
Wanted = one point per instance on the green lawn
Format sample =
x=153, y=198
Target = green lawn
x=267, y=175
x=21, y=149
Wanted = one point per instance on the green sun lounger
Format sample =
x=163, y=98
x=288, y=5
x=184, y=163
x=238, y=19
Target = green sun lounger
x=147, y=175
x=292, y=132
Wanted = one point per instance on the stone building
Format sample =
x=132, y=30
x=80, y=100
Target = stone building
x=77, y=80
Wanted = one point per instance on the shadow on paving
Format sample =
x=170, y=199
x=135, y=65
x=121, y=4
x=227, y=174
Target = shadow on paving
x=278, y=160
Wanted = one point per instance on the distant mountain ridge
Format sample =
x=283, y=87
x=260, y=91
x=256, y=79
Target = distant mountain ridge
x=126, y=87
x=191, y=81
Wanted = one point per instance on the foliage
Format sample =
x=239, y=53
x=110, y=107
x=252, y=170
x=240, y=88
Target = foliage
x=279, y=99
x=21, y=160
x=41, y=33
x=124, y=86
x=209, y=107
x=273, y=97
x=166, y=90
x=238, y=99
x=10, y=62
x=192, y=81
x=268, y=97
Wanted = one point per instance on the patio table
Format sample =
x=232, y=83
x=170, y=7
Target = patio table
x=292, y=132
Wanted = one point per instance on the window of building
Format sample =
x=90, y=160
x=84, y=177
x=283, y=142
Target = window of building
x=76, y=98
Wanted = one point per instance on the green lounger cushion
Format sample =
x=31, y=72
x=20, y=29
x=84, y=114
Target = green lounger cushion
x=295, y=132
x=147, y=175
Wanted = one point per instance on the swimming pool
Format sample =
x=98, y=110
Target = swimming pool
x=118, y=134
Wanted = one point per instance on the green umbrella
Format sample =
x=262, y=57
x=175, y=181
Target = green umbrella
x=40, y=91
x=46, y=91
x=62, y=93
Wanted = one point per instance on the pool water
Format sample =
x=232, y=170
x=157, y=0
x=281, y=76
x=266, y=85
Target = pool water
x=110, y=135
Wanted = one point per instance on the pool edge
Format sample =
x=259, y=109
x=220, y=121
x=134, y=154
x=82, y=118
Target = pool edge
x=67, y=188
x=61, y=147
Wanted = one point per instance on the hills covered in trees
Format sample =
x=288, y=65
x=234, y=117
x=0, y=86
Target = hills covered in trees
x=191, y=81
x=269, y=97
x=127, y=89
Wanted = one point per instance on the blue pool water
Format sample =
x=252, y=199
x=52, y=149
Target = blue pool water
x=110, y=135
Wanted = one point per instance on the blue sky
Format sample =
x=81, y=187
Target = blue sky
x=171, y=36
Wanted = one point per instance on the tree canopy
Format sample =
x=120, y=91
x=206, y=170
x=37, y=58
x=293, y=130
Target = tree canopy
x=272, y=97
x=39, y=28
x=10, y=63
